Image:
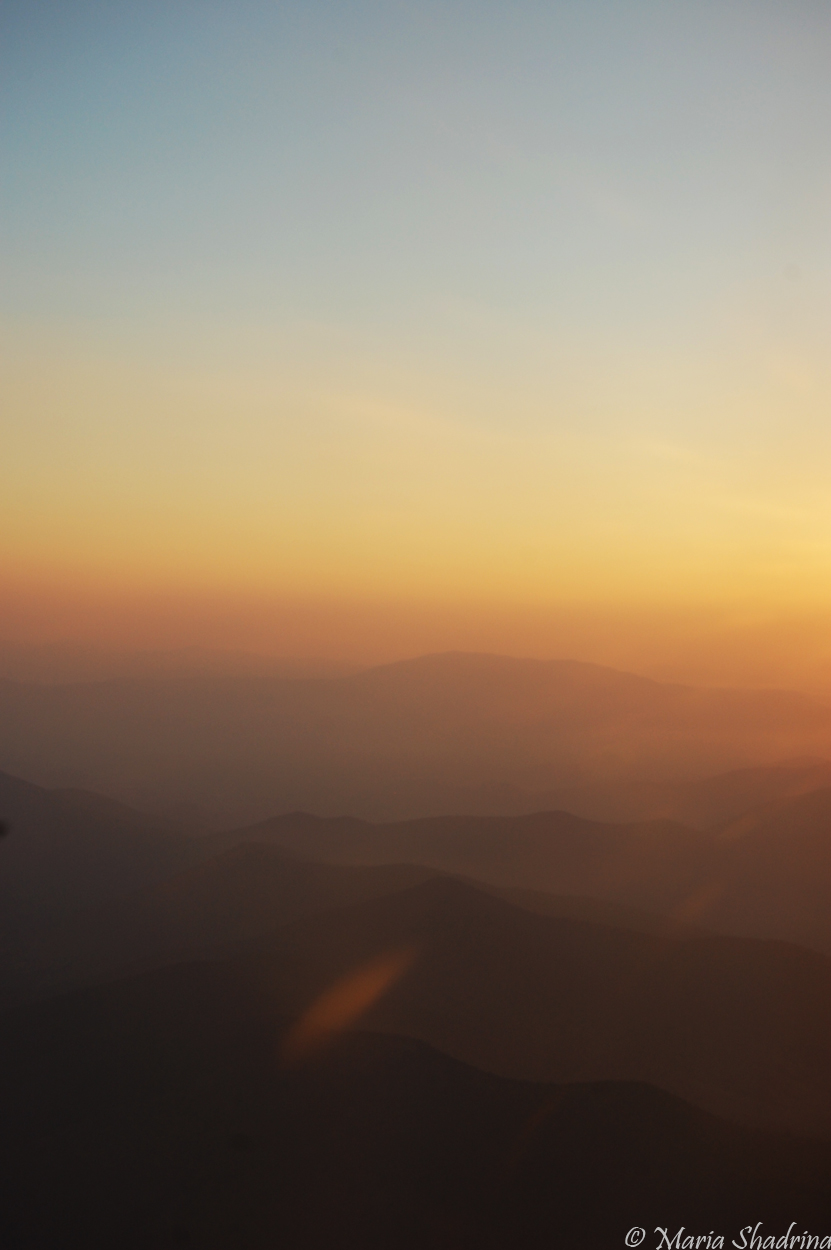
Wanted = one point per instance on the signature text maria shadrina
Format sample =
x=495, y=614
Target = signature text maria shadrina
x=749, y=1238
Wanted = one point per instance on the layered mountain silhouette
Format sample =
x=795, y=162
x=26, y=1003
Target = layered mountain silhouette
x=556, y=988
x=419, y=737
x=548, y=1033
x=155, y=1112
x=742, y=1028
x=767, y=875
x=240, y=893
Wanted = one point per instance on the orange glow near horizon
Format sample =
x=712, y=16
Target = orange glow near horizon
x=538, y=365
x=260, y=513
x=743, y=645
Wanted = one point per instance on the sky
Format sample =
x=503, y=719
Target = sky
x=364, y=329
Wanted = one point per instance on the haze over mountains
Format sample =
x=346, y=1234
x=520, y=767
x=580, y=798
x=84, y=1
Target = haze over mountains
x=442, y=733
x=62, y=663
x=704, y=803
x=764, y=873
x=598, y=977
x=573, y=985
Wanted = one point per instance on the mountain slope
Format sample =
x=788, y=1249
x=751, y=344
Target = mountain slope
x=240, y=893
x=67, y=849
x=153, y=1113
x=741, y=1028
x=246, y=891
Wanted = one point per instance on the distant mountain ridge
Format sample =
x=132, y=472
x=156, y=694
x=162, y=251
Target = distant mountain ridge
x=413, y=738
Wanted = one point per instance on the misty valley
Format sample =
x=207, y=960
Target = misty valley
x=463, y=951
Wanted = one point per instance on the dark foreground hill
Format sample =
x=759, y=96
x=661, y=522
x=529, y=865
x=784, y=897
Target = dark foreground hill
x=65, y=849
x=242, y=893
x=739, y=1027
x=155, y=1113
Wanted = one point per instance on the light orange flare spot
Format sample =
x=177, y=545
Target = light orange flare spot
x=341, y=1005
